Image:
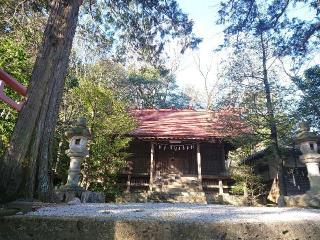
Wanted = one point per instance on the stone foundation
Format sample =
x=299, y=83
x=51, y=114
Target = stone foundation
x=236, y=200
x=171, y=197
x=177, y=197
x=34, y=228
x=182, y=197
x=304, y=200
x=174, y=188
x=65, y=195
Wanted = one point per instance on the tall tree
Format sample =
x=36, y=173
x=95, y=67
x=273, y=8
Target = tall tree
x=245, y=87
x=295, y=22
x=131, y=31
x=260, y=20
x=211, y=82
x=271, y=23
x=26, y=164
x=24, y=20
x=27, y=157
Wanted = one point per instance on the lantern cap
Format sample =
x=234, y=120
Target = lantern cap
x=80, y=129
x=304, y=134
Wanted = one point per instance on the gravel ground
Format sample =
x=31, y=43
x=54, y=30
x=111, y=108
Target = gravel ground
x=180, y=212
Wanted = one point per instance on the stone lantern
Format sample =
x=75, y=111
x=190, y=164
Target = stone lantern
x=307, y=143
x=78, y=137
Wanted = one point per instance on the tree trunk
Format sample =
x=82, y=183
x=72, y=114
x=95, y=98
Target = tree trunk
x=26, y=164
x=272, y=122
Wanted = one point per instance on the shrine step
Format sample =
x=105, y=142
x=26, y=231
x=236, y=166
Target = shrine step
x=178, y=186
x=177, y=196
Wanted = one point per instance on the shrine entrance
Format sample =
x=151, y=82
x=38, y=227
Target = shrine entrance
x=180, y=159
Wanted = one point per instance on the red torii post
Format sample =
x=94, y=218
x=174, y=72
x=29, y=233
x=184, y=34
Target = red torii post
x=5, y=78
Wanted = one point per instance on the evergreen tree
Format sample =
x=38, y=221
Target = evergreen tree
x=142, y=24
x=309, y=106
x=294, y=34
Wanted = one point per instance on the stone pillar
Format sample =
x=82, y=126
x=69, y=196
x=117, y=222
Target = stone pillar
x=313, y=169
x=307, y=143
x=77, y=151
x=199, y=164
x=151, y=165
x=314, y=176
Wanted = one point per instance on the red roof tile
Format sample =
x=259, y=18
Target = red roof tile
x=187, y=124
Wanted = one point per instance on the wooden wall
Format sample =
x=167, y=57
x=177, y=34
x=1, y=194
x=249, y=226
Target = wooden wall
x=140, y=156
x=212, y=158
x=184, y=161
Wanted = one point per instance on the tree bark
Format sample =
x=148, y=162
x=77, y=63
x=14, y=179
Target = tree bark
x=26, y=164
x=272, y=122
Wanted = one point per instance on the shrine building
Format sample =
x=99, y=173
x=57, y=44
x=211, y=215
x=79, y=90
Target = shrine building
x=176, y=151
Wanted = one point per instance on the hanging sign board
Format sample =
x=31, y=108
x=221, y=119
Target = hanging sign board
x=176, y=147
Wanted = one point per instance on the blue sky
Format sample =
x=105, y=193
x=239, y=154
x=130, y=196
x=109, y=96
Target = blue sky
x=204, y=15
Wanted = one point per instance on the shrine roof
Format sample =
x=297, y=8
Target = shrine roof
x=188, y=123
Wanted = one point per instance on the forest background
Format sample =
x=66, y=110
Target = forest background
x=261, y=57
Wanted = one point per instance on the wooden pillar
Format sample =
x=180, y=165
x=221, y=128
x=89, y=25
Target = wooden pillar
x=151, y=165
x=199, y=164
x=129, y=177
x=128, y=183
x=220, y=187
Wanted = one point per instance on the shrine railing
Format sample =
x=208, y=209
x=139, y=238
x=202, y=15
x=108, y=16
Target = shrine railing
x=219, y=184
x=135, y=180
x=139, y=181
x=215, y=184
x=6, y=79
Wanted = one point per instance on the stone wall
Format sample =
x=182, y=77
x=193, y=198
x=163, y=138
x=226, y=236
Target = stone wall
x=34, y=228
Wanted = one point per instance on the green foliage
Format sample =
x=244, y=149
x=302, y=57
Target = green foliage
x=309, y=106
x=137, y=30
x=141, y=87
x=152, y=87
x=244, y=88
x=247, y=183
x=292, y=33
x=88, y=93
x=23, y=22
x=15, y=61
x=253, y=83
x=20, y=21
x=109, y=122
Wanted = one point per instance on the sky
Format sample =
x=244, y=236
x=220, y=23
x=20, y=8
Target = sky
x=204, y=14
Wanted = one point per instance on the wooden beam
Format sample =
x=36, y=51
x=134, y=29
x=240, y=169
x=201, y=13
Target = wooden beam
x=199, y=164
x=151, y=165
